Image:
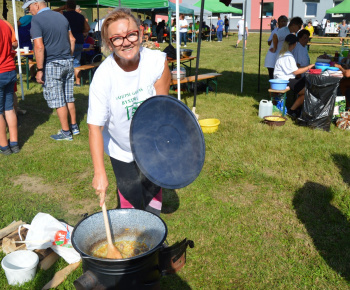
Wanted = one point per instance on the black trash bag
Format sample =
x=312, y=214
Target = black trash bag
x=170, y=51
x=320, y=94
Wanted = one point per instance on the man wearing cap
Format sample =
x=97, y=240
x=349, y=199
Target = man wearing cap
x=53, y=48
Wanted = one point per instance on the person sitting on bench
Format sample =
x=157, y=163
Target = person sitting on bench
x=286, y=69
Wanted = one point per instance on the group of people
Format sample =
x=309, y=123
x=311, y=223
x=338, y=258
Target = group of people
x=288, y=58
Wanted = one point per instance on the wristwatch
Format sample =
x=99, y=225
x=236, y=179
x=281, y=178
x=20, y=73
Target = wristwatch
x=40, y=69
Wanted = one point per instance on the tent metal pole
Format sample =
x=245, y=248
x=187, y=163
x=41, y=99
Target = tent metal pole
x=198, y=55
x=211, y=17
x=178, y=63
x=261, y=18
x=244, y=33
x=18, y=52
x=192, y=28
x=169, y=25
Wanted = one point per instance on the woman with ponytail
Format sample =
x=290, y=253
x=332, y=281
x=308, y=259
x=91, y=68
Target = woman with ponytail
x=286, y=69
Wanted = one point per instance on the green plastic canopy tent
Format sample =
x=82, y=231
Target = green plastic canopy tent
x=343, y=7
x=132, y=4
x=217, y=7
x=169, y=8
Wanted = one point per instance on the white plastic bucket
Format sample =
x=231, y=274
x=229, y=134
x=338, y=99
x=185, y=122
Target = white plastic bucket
x=20, y=266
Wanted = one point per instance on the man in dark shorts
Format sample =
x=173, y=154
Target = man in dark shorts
x=227, y=24
x=273, y=23
x=53, y=48
x=78, y=26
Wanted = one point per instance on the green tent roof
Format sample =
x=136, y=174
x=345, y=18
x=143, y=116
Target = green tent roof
x=132, y=4
x=170, y=8
x=217, y=7
x=343, y=7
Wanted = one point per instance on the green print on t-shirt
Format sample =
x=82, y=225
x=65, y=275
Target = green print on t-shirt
x=129, y=94
x=130, y=110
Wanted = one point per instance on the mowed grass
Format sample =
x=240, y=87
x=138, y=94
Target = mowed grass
x=270, y=209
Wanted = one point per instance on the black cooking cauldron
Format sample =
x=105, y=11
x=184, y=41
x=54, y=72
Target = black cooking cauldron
x=141, y=272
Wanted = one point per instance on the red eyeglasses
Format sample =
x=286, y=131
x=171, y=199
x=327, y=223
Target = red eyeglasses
x=118, y=40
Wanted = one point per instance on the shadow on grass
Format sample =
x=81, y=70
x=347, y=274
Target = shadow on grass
x=173, y=282
x=327, y=226
x=38, y=113
x=343, y=163
x=171, y=201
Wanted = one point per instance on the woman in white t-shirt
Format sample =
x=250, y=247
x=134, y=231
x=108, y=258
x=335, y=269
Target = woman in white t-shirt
x=286, y=69
x=126, y=78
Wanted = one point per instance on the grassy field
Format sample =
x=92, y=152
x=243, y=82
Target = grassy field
x=270, y=209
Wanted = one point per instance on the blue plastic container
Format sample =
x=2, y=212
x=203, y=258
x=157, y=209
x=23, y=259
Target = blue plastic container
x=279, y=85
x=333, y=68
x=322, y=65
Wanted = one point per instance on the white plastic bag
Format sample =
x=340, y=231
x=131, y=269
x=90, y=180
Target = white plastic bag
x=45, y=231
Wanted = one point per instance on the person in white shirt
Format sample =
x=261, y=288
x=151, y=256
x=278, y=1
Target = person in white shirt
x=126, y=78
x=300, y=51
x=286, y=69
x=278, y=39
x=315, y=26
x=183, y=26
x=241, y=33
x=270, y=57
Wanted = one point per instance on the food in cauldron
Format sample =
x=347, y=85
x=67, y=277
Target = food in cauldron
x=127, y=249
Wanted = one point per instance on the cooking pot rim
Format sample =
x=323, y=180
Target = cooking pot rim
x=87, y=256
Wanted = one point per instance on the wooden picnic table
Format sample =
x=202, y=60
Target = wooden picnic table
x=183, y=62
x=323, y=41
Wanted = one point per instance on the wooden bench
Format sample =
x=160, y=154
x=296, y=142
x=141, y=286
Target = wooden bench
x=89, y=68
x=322, y=42
x=327, y=44
x=208, y=77
x=213, y=36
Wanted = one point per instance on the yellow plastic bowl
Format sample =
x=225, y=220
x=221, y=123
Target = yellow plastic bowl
x=209, y=125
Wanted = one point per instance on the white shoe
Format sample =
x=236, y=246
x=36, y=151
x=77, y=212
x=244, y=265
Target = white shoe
x=185, y=45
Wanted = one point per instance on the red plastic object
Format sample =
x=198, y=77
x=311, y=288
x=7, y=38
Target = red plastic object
x=315, y=71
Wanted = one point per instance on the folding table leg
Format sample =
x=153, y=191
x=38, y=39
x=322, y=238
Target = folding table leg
x=27, y=71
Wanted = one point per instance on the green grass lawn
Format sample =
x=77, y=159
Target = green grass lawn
x=269, y=210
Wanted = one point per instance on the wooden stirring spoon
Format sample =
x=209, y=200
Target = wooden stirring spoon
x=112, y=251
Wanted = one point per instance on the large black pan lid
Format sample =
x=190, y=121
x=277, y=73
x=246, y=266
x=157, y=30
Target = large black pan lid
x=167, y=142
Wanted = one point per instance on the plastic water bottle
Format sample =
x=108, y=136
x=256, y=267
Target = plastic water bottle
x=265, y=108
